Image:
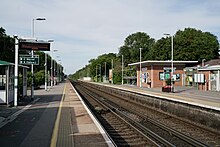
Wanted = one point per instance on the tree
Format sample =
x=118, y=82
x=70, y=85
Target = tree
x=99, y=63
x=6, y=46
x=131, y=48
x=97, y=66
x=39, y=78
x=190, y=44
x=2, y=32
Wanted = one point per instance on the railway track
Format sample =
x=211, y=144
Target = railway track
x=170, y=131
x=120, y=131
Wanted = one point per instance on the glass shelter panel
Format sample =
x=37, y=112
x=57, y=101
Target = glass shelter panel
x=2, y=78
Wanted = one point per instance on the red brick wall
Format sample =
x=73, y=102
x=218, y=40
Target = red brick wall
x=154, y=76
x=204, y=86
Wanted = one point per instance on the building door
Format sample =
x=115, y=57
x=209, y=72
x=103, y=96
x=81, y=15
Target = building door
x=213, y=82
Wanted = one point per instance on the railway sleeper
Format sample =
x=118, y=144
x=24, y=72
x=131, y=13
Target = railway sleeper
x=142, y=143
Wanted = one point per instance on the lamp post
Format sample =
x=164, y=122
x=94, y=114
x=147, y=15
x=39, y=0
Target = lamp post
x=51, y=68
x=140, y=70
x=56, y=69
x=122, y=70
x=105, y=71
x=51, y=72
x=100, y=72
x=59, y=71
x=96, y=74
x=45, y=64
x=203, y=62
x=45, y=72
x=112, y=71
x=54, y=72
x=172, y=86
x=32, y=54
x=16, y=71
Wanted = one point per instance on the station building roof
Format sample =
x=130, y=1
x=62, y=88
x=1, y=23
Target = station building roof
x=208, y=68
x=158, y=62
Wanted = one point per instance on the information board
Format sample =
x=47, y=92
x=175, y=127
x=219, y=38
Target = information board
x=28, y=59
x=37, y=45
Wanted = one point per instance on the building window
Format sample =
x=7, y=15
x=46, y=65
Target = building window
x=164, y=76
x=161, y=76
x=176, y=77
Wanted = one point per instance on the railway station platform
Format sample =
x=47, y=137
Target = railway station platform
x=190, y=95
x=75, y=124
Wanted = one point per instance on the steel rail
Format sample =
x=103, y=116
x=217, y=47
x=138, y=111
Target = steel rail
x=80, y=92
x=180, y=135
x=116, y=112
x=184, y=137
x=130, y=121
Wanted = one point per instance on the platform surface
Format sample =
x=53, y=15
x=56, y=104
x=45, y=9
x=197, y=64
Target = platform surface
x=208, y=99
x=56, y=117
x=76, y=127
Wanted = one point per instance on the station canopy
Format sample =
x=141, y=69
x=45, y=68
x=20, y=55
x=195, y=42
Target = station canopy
x=5, y=63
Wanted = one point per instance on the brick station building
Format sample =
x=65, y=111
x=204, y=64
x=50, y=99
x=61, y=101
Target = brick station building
x=155, y=73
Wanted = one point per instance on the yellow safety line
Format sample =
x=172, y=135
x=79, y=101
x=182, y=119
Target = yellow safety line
x=57, y=122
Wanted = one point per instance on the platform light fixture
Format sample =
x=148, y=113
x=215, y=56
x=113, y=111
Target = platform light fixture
x=140, y=70
x=32, y=54
x=172, y=86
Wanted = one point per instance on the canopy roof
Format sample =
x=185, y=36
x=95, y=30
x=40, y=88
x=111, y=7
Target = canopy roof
x=5, y=63
x=157, y=62
x=208, y=68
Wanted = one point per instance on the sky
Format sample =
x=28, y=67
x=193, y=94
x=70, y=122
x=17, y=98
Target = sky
x=85, y=29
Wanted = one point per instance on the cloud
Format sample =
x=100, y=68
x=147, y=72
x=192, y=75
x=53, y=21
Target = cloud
x=84, y=29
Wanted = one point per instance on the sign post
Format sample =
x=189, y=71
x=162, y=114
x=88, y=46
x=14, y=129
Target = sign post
x=33, y=45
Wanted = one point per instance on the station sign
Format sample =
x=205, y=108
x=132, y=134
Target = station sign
x=36, y=45
x=28, y=59
x=169, y=69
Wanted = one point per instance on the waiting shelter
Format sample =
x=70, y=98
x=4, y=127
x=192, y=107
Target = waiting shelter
x=208, y=78
x=7, y=82
x=155, y=73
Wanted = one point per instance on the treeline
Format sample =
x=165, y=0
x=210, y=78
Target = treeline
x=189, y=44
x=7, y=53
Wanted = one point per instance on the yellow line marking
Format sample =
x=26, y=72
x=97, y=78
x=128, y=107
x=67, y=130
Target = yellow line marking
x=53, y=142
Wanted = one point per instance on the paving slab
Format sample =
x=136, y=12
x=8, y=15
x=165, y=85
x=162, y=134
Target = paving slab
x=76, y=127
